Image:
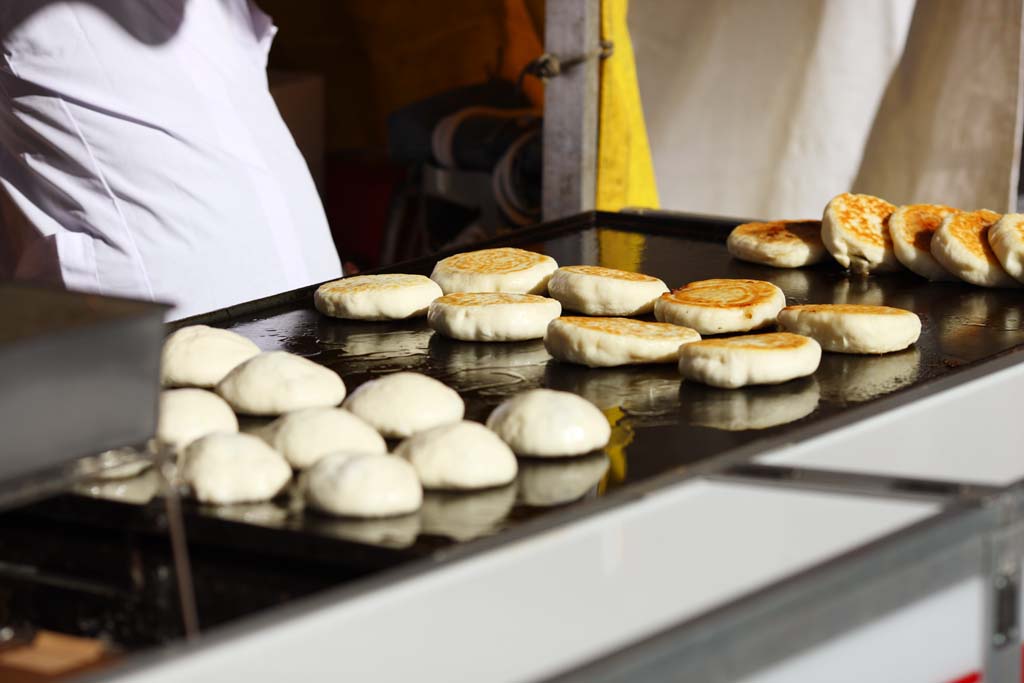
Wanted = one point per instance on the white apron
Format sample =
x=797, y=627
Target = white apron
x=141, y=155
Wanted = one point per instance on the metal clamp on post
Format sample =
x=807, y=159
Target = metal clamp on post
x=547, y=65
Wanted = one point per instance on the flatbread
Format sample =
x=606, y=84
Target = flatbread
x=607, y=342
x=1006, y=238
x=721, y=305
x=912, y=228
x=594, y=290
x=200, y=356
x=393, y=296
x=752, y=359
x=404, y=403
x=460, y=456
x=781, y=244
x=492, y=317
x=234, y=468
x=852, y=328
x=546, y=423
x=278, y=382
x=187, y=414
x=305, y=436
x=961, y=245
x=369, y=485
x=855, y=231
x=504, y=269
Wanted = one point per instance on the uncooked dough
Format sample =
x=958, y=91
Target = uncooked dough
x=279, y=382
x=370, y=485
x=392, y=296
x=594, y=290
x=752, y=359
x=852, y=328
x=305, y=436
x=234, y=468
x=460, y=456
x=607, y=342
x=200, y=356
x=504, y=269
x=404, y=403
x=547, y=423
x=492, y=317
x=187, y=414
x=721, y=305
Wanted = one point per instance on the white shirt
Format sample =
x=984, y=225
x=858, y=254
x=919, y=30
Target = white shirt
x=141, y=155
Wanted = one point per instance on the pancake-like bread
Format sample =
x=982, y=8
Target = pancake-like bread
x=1006, y=238
x=753, y=359
x=721, y=305
x=853, y=328
x=961, y=245
x=393, y=296
x=782, y=244
x=595, y=290
x=911, y=228
x=505, y=269
x=492, y=316
x=607, y=342
x=855, y=231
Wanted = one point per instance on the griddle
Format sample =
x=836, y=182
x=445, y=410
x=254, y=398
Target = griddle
x=663, y=429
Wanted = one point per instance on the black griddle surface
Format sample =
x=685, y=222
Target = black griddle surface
x=661, y=426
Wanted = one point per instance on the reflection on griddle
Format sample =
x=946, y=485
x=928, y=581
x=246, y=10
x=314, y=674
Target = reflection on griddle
x=398, y=345
x=463, y=516
x=848, y=378
x=545, y=483
x=262, y=514
x=390, y=532
x=975, y=318
x=489, y=367
x=137, y=490
x=758, y=407
x=119, y=463
x=642, y=393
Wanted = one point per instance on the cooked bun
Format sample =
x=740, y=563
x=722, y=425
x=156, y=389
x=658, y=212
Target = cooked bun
x=851, y=328
x=782, y=244
x=495, y=270
x=492, y=316
x=607, y=342
x=594, y=290
x=912, y=228
x=753, y=359
x=854, y=230
x=377, y=297
x=721, y=306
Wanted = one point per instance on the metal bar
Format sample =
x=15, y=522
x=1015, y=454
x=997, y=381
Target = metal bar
x=572, y=29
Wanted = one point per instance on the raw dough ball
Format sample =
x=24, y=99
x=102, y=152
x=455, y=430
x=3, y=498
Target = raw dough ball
x=607, y=342
x=854, y=229
x=234, y=468
x=754, y=408
x=187, y=414
x=405, y=403
x=782, y=244
x=464, y=516
x=912, y=228
x=279, y=382
x=492, y=316
x=961, y=246
x=594, y=290
x=200, y=356
x=370, y=485
x=752, y=359
x=850, y=328
x=305, y=436
x=719, y=306
x=464, y=455
x=495, y=270
x=546, y=423
x=377, y=297
x=556, y=482
x=1006, y=238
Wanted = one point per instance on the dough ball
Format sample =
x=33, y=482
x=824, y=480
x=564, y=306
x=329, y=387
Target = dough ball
x=754, y=408
x=545, y=483
x=466, y=515
x=460, y=456
x=377, y=297
x=279, y=382
x=721, y=306
x=962, y=247
x=200, y=356
x=607, y=342
x=594, y=290
x=187, y=414
x=370, y=485
x=305, y=436
x=912, y=228
x=546, y=423
x=753, y=359
x=854, y=230
x=495, y=270
x=234, y=468
x=404, y=403
x=492, y=317
x=782, y=244
x=850, y=328
x=1006, y=238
